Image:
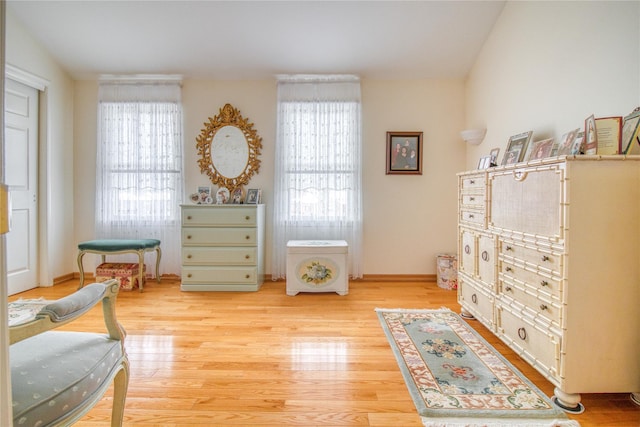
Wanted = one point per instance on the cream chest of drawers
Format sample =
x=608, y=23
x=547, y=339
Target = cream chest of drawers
x=222, y=247
x=549, y=260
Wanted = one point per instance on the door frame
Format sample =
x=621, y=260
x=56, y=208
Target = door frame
x=44, y=191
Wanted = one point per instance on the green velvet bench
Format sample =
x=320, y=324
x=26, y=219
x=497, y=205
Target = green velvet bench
x=106, y=247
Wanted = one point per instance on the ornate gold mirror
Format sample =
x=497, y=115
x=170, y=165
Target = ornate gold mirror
x=229, y=147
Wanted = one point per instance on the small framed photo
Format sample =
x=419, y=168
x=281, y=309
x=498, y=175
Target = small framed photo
x=237, y=198
x=493, y=157
x=485, y=162
x=541, y=149
x=404, y=153
x=204, y=193
x=516, y=148
x=566, y=142
x=590, y=135
x=253, y=196
x=630, y=128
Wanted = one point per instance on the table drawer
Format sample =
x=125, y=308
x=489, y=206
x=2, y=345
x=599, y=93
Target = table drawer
x=473, y=182
x=538, y=345
x=219, y=236
x=194, y=255
x=475, y=217
x=219, y=217
x=222, y=275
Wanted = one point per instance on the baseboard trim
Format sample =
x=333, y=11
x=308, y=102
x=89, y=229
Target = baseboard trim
x=267, y=277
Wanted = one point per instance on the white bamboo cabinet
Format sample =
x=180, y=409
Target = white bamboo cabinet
x=222, y=247
x=549, y=256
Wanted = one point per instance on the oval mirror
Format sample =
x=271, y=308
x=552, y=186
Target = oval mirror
x=228, y=147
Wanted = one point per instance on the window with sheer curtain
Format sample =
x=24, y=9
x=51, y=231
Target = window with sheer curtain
x=139, y=165
x=318, y=184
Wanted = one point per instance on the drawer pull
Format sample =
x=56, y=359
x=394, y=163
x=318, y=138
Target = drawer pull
x=485, y=256
x=247, y=217
x=189, y=275
x=247, y=256
x=474, y=298
x=508, y=269
x=472, y=181
x=247, y=237
x=247, y=276
x=472, y=199
x=544, y=283
x=522, y=333
x=508, y=289
x=467, y=249
x=545, y=258
x=543, y=307
x=189, y=217
x=189, y=256
x=509, y=248
x=470, y=216
x=188, y=237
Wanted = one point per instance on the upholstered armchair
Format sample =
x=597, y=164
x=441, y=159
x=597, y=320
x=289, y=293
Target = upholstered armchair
x=58, y=376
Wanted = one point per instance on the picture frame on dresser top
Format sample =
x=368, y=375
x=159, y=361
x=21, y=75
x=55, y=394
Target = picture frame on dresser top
x=540, y=149
x=630, y=130
x=253, y=196
x=516, y=148
x=566, y=142
x=404, y=153
x=590, y=135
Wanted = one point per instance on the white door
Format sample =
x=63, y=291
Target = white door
x=21, y=175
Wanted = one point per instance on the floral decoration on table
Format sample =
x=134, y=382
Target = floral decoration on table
x=317, y=274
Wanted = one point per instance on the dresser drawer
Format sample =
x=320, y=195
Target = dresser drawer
x=194, y=255
x=534, y=304
x=545, y=285
x=221, y=275
x=536, y=344
x=472, y=200
x=477, y=301
x=472, y=183
x=219, y=236
x=475, y=217
x=541, y=258
x=222, y=216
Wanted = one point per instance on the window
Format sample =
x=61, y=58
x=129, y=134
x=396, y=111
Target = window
x=139, y=165
x=317, y=191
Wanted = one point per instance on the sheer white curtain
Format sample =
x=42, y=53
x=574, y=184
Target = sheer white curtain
x=139, y=182
x=318, y=184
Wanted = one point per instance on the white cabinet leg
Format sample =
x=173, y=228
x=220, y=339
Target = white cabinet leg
x=569, y=402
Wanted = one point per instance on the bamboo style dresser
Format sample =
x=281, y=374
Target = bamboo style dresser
x=222, y=247
x=549, y=261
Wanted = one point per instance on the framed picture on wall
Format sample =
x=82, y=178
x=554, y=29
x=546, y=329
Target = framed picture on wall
x=516, y=148
x=404, y=153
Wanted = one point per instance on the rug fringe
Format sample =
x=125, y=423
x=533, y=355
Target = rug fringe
x=414, y=310
x=460, y=422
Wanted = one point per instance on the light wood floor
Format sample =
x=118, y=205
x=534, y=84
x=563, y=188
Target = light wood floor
x=266, y=359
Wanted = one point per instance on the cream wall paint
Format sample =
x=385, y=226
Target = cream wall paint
x=408, y=219
x=56, y=167
x=548, y=65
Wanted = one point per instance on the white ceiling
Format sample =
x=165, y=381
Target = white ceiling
x=259, y=39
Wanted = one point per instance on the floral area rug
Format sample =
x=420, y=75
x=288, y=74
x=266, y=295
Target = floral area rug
x=25, y=310
x=456, y=378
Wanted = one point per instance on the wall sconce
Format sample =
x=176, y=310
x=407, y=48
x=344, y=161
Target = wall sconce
x=473, y=136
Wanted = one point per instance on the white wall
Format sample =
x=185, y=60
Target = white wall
x=408, y=219
x=57, y=242
x=549, y=65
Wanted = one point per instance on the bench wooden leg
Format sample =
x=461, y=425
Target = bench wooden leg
x=80, y=255
x=158, y=256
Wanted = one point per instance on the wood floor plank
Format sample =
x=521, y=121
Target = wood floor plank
x=267, y=359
